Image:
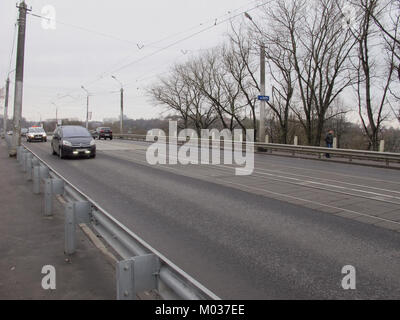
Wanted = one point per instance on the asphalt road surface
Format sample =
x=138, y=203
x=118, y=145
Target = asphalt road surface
x=285, y=232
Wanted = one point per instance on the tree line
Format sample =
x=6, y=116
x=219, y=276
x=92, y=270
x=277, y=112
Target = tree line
x=326, y=60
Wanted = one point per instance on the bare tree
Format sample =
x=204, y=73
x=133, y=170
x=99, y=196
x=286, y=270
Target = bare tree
x=180, y=96
x=373, y=78
x=317, y=47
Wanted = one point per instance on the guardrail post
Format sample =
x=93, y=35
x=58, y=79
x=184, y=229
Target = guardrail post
x=36, y=179
x=44, y=173
x=334, y=143
x=296, y=140
x=23, y=160
x=69, y=229
x=137, y=275
x=48, y=197
x=19, y=154
x=51, y=187
x=28, y=166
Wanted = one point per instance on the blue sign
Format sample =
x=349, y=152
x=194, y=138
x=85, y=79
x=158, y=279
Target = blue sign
x=263, y=98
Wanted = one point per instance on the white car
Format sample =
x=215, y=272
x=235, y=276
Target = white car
x=36, y=134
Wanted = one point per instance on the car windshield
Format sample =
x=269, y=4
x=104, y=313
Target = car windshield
x=74, y=132
x=36, y=130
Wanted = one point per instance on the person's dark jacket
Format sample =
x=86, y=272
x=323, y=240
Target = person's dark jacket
x=329, y=138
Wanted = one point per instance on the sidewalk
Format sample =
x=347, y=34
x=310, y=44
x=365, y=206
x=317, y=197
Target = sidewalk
x=28, y=241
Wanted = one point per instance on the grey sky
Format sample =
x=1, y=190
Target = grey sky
x=59, y=61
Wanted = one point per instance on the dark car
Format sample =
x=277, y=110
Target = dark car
x=73, y=141
x=104, y=132
x=36, y=134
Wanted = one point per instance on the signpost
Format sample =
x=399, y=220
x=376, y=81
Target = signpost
x=263, y=98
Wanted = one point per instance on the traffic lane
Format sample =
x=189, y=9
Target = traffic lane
x=238, y=244
x=319, y=172
x=312, y=167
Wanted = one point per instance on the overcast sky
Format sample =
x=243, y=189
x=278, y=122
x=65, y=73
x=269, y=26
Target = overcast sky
x=94, y=39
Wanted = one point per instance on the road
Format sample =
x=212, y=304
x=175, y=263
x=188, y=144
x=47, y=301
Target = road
x=285, y=232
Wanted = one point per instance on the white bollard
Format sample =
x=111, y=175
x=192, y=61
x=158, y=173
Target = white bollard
x=382, y=146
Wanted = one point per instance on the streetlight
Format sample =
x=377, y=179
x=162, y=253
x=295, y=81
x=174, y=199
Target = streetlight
x=121, y=123
x=87, y=107
x=56, y=113
x=262, y=83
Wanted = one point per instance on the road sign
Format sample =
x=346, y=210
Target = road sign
x=263, y=98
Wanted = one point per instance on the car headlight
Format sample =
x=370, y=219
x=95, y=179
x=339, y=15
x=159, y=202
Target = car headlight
x=31, y=135
x=92, y=142
x=44, y=134
x=67, y=143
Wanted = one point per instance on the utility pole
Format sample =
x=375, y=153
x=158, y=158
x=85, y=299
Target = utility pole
x=87, y=107
x=19, y=79
x=5, y=117
x=121, y=121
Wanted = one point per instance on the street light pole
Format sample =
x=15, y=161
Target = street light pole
x=87, y=107
x=262, y=92
x=262, y=83
x=56, y=113
x=121, y=121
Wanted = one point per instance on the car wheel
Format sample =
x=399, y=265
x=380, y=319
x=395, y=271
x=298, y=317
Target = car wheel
x=93, y=156
x=60, y=153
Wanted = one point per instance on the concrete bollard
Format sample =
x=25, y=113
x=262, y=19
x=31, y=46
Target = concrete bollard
x=296, y=140
x=267, y=139
x=334, y=143
x=382, y=146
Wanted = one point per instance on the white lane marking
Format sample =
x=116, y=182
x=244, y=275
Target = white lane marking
x=320, y=186
x=326, y=179
x=257, y=161
x=266, y=191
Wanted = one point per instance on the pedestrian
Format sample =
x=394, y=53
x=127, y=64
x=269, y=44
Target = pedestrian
x=329, y=141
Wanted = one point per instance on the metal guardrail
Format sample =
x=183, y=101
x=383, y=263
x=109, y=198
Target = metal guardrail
x=142, y=269
x=294, y=150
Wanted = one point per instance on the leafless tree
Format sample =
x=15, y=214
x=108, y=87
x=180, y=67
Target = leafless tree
x=317, y=47
x=374, y=74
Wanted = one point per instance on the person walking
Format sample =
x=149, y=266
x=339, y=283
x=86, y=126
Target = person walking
x=329, y=141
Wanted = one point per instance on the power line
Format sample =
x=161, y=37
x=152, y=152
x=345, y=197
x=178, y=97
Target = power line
x=216, y=23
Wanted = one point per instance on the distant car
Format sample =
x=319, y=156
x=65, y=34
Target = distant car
x=10, y=133
x=73, y=141
x=104, y=132
x=36, y=134
x=24, y=131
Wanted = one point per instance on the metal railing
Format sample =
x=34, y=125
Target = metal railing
x=295, y=150
x=142, y=268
